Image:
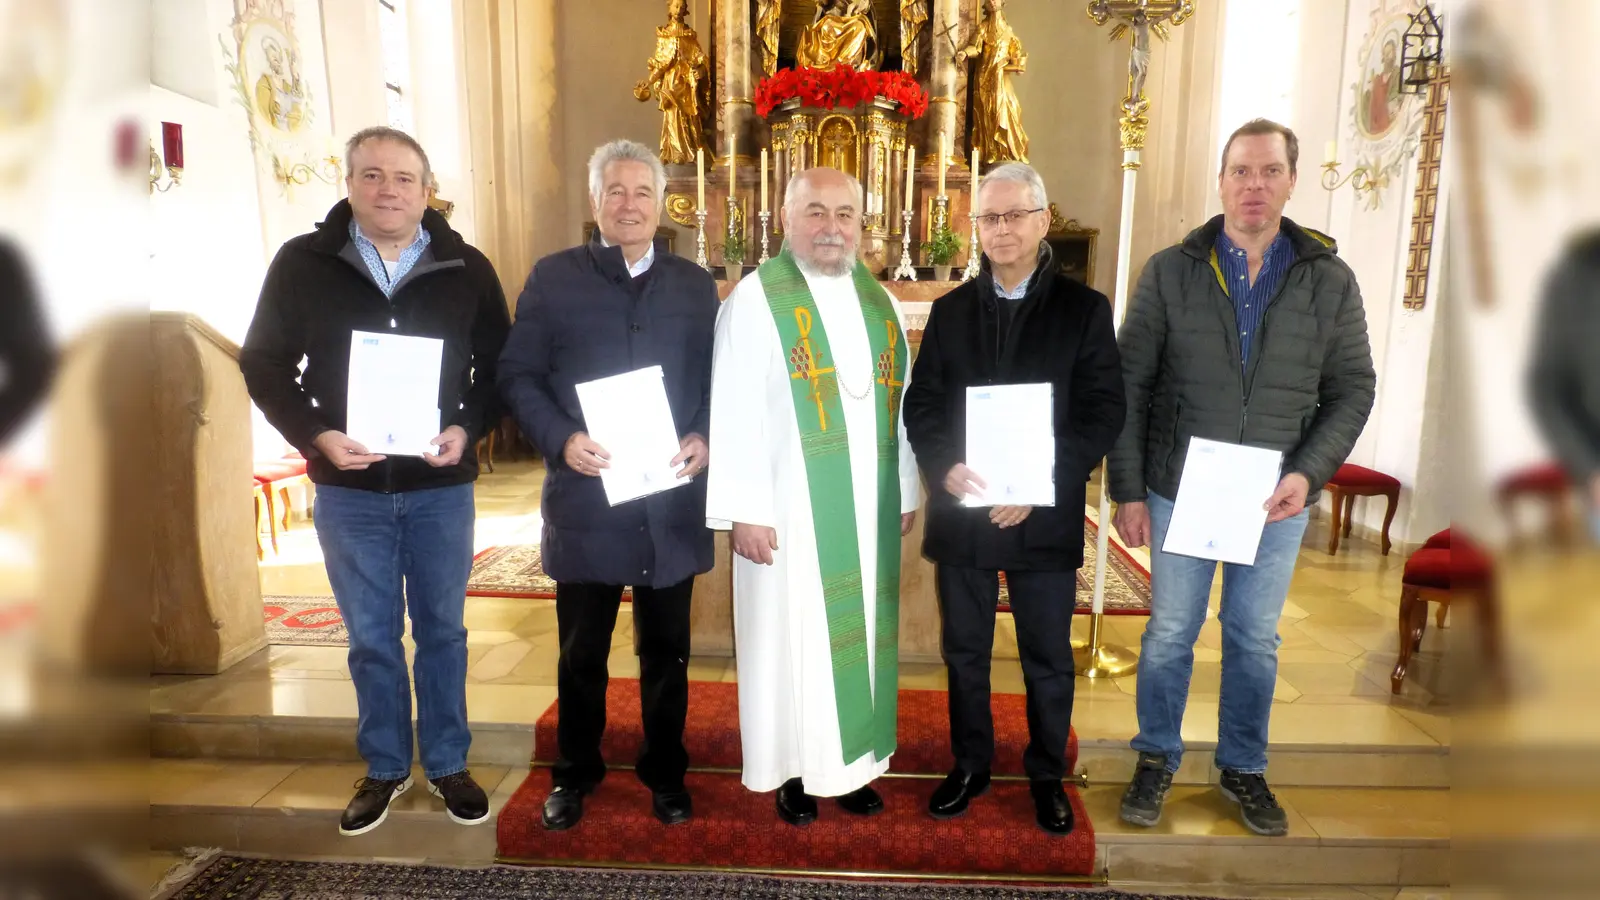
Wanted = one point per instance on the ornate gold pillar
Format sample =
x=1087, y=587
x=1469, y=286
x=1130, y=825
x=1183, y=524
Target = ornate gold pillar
x=737, y=69
x=947, y=81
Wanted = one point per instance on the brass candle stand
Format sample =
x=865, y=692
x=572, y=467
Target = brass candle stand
x=700, y=240
x=906, y=271
x=971, y=271
x=766, y=218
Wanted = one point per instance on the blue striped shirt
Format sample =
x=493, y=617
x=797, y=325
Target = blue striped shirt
x=1250, y=300
x=374, y=260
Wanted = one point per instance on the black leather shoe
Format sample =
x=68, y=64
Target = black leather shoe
x=1050, y=806
x=795, y=806
x=862, y=801
x=950, y=799
x=563, y=808
x=370, y=806
x=671, y=807
x=464, y=800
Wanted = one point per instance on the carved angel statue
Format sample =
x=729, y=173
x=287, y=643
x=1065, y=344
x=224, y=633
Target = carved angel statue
x=913, y=20
x=680, y=77
x=997, y=113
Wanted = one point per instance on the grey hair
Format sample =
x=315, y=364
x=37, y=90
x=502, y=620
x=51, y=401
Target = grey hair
x=624, y=150
x=385, y=133
x=1018, y=173
x=803, y=179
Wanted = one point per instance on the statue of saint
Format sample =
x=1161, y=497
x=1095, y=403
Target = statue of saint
x=997, y=114
x=680, y=76
x=840, y=34
x=769, y=14
x=913, y=19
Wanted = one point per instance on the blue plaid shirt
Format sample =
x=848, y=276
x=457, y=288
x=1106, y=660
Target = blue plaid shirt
x=1250, y=300
x=374, y=261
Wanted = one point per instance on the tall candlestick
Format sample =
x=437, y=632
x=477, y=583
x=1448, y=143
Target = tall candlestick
x=944, y=154
x=911, y=175
x=763, y=179
x=700, y=178
x=974, y=174
x=733, y=154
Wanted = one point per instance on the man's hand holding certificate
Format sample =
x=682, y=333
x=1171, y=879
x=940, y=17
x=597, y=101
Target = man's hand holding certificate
x=1222, y=501
x=632, y=443
x=1011, y=448
x=393, y=400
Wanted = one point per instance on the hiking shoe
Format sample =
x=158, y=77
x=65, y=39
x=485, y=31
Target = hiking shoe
x=370, y=806
x=466, y=803
x=1142, y=801
x=1257, y=806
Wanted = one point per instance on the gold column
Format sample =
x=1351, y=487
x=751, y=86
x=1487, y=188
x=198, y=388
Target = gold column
x=737, y=70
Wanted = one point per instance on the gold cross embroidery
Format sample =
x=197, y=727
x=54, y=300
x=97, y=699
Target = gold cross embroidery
x=804, y=360
x=886, y=368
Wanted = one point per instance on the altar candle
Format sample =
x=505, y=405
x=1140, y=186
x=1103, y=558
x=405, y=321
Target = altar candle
x=944, y=154
x=974, y=176
x=911, y=174
x=700, y=177
x=1332, y=153
x=763, y=179
x=733, y=154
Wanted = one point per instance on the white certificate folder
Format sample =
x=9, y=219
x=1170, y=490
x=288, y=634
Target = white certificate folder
x=629, y=416
x=392, y=404
x=1220, y=509
x=1011, y=444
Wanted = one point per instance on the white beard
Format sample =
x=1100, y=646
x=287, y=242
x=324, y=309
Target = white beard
x=843, y=267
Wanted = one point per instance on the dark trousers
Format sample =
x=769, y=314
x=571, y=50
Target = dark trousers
x=1042, y=604
x=586, y=614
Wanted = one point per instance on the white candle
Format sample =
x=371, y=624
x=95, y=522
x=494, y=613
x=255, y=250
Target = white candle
x=974, y=176
x=1332, y=153
x=700, y=177
x=733, y=154
x=911, y=175
x=944, y=154
x=763, y=179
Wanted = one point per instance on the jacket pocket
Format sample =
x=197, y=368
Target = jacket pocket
x=1046, y=529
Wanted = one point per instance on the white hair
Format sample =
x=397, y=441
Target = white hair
x=1018, y=173
x=624, y=151
x=803, y=180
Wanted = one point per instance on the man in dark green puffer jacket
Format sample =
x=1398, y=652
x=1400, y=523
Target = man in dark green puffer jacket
x=1250, y=332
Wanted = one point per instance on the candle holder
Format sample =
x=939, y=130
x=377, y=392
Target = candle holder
x=906, y=271
x=1359, y=177
x=971, y=271
x=941, y=213
x=766, y=217
x=700, y=240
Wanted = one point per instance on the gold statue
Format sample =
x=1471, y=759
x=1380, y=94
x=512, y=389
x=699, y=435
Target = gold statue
x=913, y=18
x=769, y=14
x=680, y=75
x=997, y=113
x=840, y=34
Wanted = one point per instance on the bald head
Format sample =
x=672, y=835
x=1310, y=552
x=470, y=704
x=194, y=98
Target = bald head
x=822, y=219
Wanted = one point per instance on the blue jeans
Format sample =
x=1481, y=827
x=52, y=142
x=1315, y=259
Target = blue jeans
x=1252, y=602
x=372, y=544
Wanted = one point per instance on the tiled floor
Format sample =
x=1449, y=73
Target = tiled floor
x=1338, y=646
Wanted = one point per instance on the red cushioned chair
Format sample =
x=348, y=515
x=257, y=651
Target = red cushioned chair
x=1443, y=569
x=1350, y=482
x=1545, y=482
x=275, y=477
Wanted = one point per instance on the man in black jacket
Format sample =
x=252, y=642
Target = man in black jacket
x=612, y=306
x=1249, y=332
x=382, y=262
x=1019, y=322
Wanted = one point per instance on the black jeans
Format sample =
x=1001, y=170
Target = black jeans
x=1042, y=604
x=586, y=614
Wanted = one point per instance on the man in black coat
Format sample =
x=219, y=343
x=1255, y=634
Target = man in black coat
x=612, y=306
x=1564, y=378
x=382, y=262
x=1019, y=322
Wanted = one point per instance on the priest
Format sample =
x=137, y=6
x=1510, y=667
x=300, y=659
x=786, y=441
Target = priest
x=817, y=483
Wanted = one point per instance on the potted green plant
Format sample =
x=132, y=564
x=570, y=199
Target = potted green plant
x=940, y=250
x=733, y=256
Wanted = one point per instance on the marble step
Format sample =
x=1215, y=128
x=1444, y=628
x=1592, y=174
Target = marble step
x=1380, y=837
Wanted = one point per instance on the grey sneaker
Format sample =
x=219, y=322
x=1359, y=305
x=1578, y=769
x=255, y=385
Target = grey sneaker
x=1257, y=806
x=1141, y=802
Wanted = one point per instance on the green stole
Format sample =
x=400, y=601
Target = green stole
x=866, y=709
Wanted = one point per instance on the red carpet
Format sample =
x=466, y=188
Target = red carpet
x=736, y=828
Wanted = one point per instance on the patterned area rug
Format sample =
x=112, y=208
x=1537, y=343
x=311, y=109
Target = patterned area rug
x=243, y=878
x=308, y=621
x=515, y=570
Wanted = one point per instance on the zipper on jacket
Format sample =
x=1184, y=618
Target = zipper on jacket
x=1247, y=388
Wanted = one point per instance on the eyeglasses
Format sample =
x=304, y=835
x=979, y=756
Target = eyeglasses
x=1012, y=219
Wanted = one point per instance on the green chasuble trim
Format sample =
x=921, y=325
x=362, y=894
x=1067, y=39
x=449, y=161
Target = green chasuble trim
x=865, y=700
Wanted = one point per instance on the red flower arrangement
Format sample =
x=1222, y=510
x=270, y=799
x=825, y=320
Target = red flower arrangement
x=840, y=87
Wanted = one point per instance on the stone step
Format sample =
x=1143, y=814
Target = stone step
x=1375, y=836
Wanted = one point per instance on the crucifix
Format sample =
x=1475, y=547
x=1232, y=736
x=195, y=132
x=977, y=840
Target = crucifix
x=1139, y=18
x=1425, y=201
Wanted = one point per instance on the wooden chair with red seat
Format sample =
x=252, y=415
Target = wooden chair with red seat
x=1547, y=482
x=1350, y=482
x=1443, y=569
x=261, y=499
x=276, y=477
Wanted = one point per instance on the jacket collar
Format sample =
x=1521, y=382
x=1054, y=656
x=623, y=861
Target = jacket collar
x=609, y=260
x=1043, y=274
x=1306, y=242
x=333, y=233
